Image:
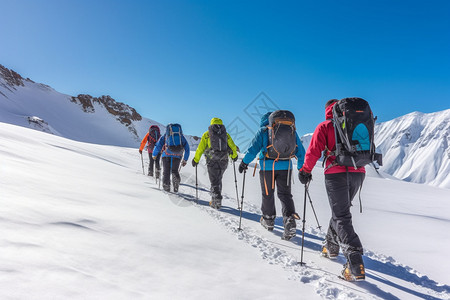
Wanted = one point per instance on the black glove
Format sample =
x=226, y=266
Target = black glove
x=235, y=159
x=304, y=177
x=242, y=167
x=140, y=151
x=194, y=164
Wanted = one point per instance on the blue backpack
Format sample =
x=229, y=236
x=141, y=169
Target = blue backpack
x=174, y=135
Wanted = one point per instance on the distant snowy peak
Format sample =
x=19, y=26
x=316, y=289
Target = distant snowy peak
x=99, y=120
x=416, y=147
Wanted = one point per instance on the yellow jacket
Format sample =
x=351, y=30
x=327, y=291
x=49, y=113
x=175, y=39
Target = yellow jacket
x=205, y=143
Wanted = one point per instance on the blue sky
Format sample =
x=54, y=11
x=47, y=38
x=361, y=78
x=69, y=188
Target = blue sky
x=189, y=61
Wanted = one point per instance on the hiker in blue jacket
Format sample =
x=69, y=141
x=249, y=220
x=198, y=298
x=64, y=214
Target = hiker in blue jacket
x=172, y=145
x=274, y=172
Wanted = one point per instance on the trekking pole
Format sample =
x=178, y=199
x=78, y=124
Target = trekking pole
x=196, y=184
x=242, y=201
x=142, y=160
x=235, y=183
x=312, y=206
x=303, y=229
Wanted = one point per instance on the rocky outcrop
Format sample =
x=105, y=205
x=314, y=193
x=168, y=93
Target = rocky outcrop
x=123, y=113
x=11, y=78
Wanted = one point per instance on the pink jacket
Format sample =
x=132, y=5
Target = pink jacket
x=324, y=139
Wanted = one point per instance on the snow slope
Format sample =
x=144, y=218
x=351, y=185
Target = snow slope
x=81, y=221
x=84, y=118
x=416, y=147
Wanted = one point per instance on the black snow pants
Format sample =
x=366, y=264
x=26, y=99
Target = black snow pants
x=283, y=191
x=153, y=162
x=171, y=165
x=341, y=189
x=216, y=168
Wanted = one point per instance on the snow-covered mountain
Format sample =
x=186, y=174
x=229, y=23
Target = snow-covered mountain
x=80, y=221
x=416, y=148
x=99, y=120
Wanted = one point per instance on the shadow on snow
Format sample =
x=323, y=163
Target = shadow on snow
x=386, y=268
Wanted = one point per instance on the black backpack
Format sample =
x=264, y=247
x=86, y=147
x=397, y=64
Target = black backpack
x=219, y=141
x=174, y=141
x=282, y=143
x=354, y=129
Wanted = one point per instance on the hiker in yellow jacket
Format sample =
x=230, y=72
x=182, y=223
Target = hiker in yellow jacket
x=217, y=145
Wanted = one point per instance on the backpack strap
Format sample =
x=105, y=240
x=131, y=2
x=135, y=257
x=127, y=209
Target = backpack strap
x=264, y=175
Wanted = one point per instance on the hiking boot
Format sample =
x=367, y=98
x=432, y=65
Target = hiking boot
x=290, y=228
x=158, y=173
x=330, y=250
x=176, y=185
x=267, y=222
x=150, y=173
x=354, y=268
x=215, y=203
x=166, y=187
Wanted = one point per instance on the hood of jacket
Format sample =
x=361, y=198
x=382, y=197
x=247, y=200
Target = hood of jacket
x=216, y=121
x=265, y=119
x=329, y=111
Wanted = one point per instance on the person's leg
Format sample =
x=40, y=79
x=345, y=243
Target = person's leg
x=287, y=203
x=341, y=218
x=150, y=165
x=284, y=192
x=214, y=178
x=268, y=200
x=176, y=179
x=157, y=166
x=341, y=189
x=166, y=161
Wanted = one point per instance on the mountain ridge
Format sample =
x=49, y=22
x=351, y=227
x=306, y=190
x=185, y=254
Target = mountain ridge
x=86, y=118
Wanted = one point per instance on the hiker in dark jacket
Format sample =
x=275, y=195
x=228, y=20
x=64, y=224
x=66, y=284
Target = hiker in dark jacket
x=273, y=172
x=151, y=138
x=171, y=159
x=341, y=184
x=216, y=157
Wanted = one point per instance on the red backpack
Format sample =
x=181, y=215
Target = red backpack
x=153, y=135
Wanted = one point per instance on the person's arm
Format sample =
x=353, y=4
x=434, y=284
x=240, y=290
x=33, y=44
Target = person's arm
x=232, y=146
x=186, y=148
x=317, y=145
x=300, y=152
x=201, y=147
x=159, y=145
x=255, y=147
x=144, y=141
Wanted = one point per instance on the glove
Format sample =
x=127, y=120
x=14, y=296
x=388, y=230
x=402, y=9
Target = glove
x=183, y=163
x=140, y=151
x=194, y=164
x=304, y=176
x=235, y=159
x=242, y=167
x=154, y=157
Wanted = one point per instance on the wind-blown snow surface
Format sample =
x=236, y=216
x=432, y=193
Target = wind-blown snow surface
x=81, y=221
x=416, y=147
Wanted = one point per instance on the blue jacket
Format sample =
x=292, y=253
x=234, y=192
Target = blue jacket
x=161, y=146
x=259, y=147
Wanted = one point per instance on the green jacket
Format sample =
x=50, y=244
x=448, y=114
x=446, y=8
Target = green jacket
x=205, y=143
